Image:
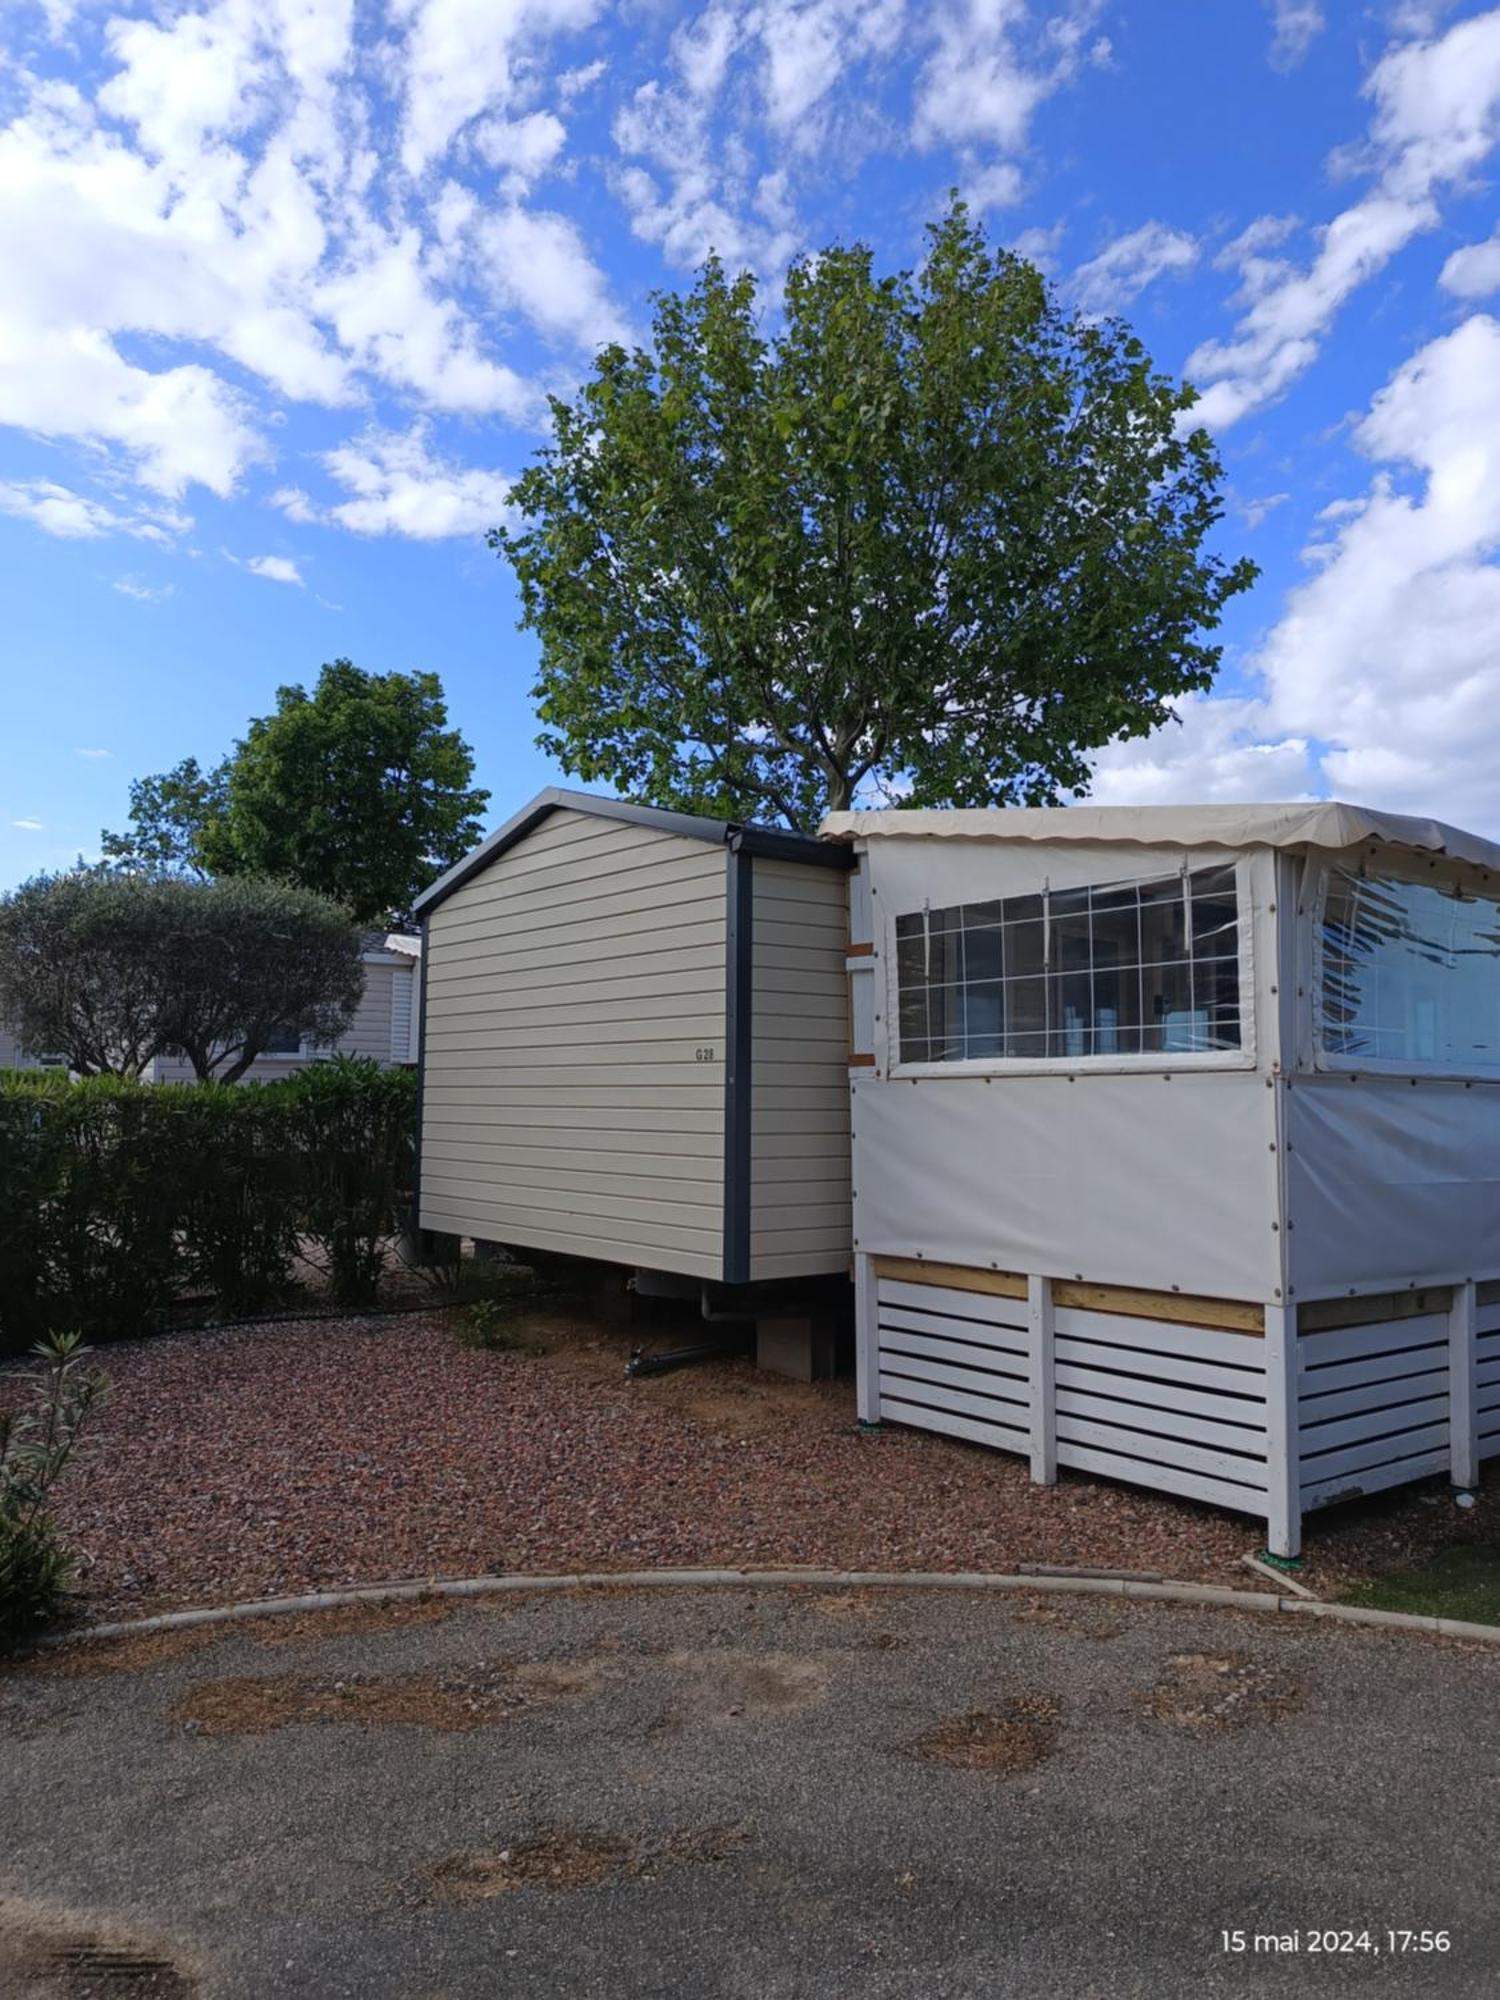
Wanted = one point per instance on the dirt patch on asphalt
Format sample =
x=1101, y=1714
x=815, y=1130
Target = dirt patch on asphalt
x=1009, y=1743
x=721, y=1686
x=1080, y=1618
x=350, y=1621
x=128, y=1655
x=473, y=1699
x=45, y=1957
x=1212, y=1691
x=571, y=1858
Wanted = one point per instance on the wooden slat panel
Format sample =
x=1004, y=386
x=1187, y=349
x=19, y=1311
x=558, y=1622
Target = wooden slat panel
x=1156, y=1337
x=1356, y=1342
x=996, y=1408
x=958, y=1372
x=1383, y=1395
x=1244, y=1496
x=986, y=1332
x=954, y=1277
x=1150, y=1395
x=1328, y=1315
x=1392, y=1421
x=1322, y=1492
x=1377, y=1368
x=1377, y=1451
x=1159, y=1421
x=1152, y=1450
x=938, y=1299
x=1166, y=1367
x=1001, y=1437
x=960, y=1353
x=1176, y=1308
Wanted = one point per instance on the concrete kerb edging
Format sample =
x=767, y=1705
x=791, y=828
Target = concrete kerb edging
x=1092, y=1584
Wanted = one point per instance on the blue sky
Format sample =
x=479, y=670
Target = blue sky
x=285, y=283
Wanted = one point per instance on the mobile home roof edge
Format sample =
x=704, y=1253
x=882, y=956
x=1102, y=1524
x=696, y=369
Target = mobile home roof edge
x=1310, y=823
x=772, y=842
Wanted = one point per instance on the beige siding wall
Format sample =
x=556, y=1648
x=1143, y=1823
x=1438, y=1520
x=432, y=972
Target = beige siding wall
x=369, y=1035
x=12, y=1055
x=799, y=1147
x=570, y=987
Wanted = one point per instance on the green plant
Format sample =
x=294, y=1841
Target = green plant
x=240, y=1209
x=353, y=1127
x=36, y=1442
x=491, y=1324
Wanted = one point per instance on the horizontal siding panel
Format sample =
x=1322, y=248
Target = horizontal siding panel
x=1321, y=1466
x=1373, y=1369
x=1154, y=1336
x=1375, y=1479
x=1130, y=1441
x=543, y=1042
x=981, y=1307
x=1004, y=1437
x=1355, y=1343
x=1133, y=1362
x=616, y=866
x=970, y=1401
x=1394, y=1419
x=460, y=1086
x=684, y=949
x=632, y=1064
x=604, y=921
x=896, y=1322
x=687, y=1204
x=613, y=1151
x=1162, y=1421
x=953, y=1349
x=1148, y=1394
x=666, y=1228
x=1242, y=1495
x=1372, y=1396
x=699, y=1259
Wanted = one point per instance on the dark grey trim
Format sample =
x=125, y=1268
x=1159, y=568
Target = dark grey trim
x=416, y=1176
x=770, y=841
x=739, y=999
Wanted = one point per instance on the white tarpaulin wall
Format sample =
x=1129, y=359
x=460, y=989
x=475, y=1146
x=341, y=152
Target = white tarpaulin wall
x=1108, y=1171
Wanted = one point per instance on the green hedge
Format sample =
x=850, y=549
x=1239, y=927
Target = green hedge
x=119, y=1201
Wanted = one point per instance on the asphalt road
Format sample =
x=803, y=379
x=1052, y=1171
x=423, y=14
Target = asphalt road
x=753, y=1794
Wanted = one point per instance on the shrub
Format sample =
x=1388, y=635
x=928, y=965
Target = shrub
x=36, y=1443
x=353, y=1127
x=239, y=1214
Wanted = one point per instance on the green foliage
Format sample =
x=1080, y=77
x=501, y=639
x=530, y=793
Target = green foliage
x=353, y=1127
x=357, y=790
x=168, y=814
x=36, y=1442
x=120, y=1201
x=934, y=534
x=113, y=969
x=491, y=1324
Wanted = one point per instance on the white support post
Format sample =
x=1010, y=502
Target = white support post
x=1043, y=1373
x=1283, y=1444
x=866, y=1340
x=1463, y=1422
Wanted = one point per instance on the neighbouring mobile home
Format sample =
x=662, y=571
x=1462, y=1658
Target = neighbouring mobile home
x=635, y=1044
x=1176, y=1141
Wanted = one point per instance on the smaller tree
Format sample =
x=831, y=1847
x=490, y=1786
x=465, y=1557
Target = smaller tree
x=110, y=970
x=86, y=969
x=256, y=959
x=169, y=815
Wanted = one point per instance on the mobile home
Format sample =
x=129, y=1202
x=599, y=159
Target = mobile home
x=634, y=1044
x=1176, y=1139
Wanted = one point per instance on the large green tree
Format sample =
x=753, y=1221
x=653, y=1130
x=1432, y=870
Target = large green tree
x=935, y=538
x=358, y=791
x=110, y=969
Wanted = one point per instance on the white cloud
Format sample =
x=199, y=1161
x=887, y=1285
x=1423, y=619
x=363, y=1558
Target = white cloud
x=144, y=593
x=399, y=486
x=94, y=754
x=275, y=569
x=1297, y=25
x=464, y=57
x=29, y=825
x=1474, y=271
x=986, y=76
x=58, y=510
x=1437, y=117
x=1215, y=753
x=1124, y=268
x=537, y=262
x=1388, y=657
x=524, y=147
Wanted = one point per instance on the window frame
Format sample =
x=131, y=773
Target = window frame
x=1148, y=1063
x=1434, y=875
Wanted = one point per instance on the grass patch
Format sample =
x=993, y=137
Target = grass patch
x=1461, y=1581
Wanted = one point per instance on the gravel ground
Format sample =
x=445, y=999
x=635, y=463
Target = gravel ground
x=314, y=1454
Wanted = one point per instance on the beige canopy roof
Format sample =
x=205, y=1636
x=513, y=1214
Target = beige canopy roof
x=1327, y=824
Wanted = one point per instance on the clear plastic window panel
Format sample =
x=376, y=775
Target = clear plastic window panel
x=1411, y=972
x=1127, y=969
